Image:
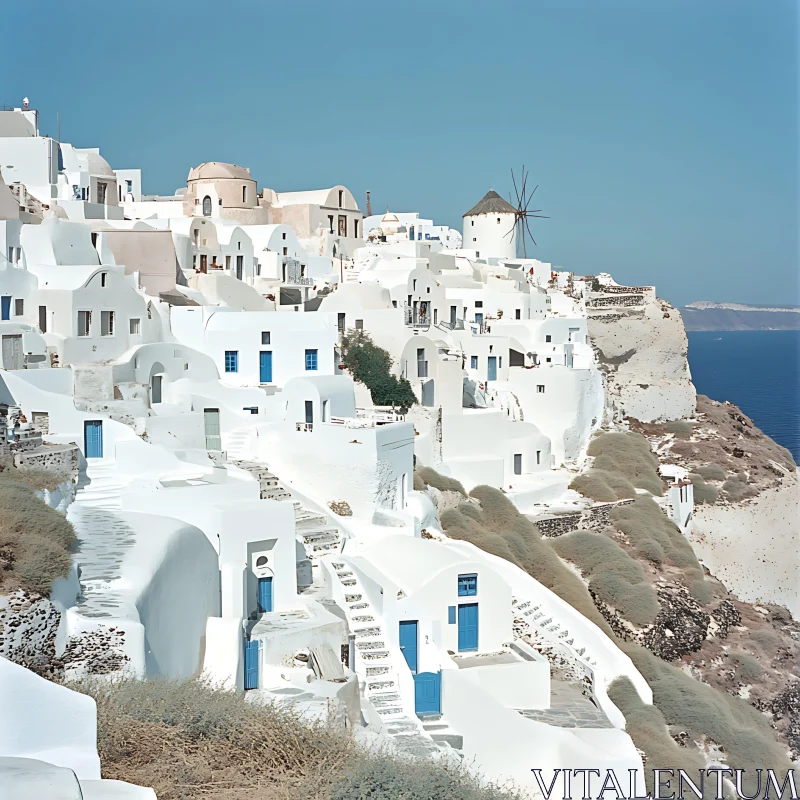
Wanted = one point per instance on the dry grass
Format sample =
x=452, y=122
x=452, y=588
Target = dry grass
x=35, y=540
x=431, y=477
x=190, y=740
x=627, y=454
x=603, y=487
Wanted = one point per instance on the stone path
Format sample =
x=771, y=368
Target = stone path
x=569, y=708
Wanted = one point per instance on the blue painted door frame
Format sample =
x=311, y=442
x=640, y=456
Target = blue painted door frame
x=468, y=627
x=265, y=594
x=265, y=366
x=428, y=693
x=5, y=307
x=408, y=642
x=492, y=369
x=251, y=653
x=93, y=438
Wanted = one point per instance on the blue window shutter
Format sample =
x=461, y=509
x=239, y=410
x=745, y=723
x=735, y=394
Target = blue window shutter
x=451, y=615
x=311, y=359
x=231, y=361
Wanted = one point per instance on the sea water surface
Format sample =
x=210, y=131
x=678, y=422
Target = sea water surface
x=759, y=371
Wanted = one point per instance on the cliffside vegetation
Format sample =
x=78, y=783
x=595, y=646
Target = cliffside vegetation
x=35, y=540
x=372, y=366
x=188, y=740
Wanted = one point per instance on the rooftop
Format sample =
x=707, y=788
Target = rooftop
x=491, y=203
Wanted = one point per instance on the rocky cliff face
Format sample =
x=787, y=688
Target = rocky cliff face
x=641, y=347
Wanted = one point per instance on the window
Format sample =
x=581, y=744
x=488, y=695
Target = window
x=414, y=285
x=467, y=585
x=206, y=209
x=19, y=307
x=540, y=388
x=103, y=277
x=518, y=463
x=135, y=326
x=128, y=186
x=500, y=362
x=194, y=262
x=286, y=251
x=472, y=222
x=231, y=361
x=330, y=223
x=43, y=319
x=538, y=456
x=101, y=192
x=227, y=262
x=451, y=615
x=355, y=228
x=479, y=304
x=473, y=362
x=251, y=409
x=265, y=337
x=518, y=313
x=548, y=338
x=311, y=360
x=341, y=198
x=244, y=194
x=84, y=322
x=359, y=324
x=106, y=323
x=283, y=235
x=498, y=220
x=435, y=316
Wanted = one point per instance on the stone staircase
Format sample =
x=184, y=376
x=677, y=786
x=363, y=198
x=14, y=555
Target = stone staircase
x=99, y=486
x=321, y=536
x=378, y=667
x=532, y=618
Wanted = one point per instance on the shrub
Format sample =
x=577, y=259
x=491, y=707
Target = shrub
x=441, y=482
x=37, y=537
x=372, y=366
x=628, y=454
x=34, y=478
x=419, y=484
x=680, y=427
x=738, y=490
x=704, y=493
x=592, y=485
x=766, y=638
x=747, y=668
x=742, y=731
x=711, y=472
x=616, y=578
x=647, y=727
x=189, y=739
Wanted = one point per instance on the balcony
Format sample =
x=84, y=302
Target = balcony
x=416, y=317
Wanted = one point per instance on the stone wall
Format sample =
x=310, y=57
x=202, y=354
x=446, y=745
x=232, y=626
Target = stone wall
x=28, y=626
x=55, y=458
x=622, y=300
x=593, y=519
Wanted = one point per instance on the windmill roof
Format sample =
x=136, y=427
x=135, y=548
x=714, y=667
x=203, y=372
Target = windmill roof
x=491, y=203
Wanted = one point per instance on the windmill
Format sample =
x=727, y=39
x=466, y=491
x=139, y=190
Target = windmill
x=521, y=227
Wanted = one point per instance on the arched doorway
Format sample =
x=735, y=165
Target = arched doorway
x=156, y=376
x=206, y=206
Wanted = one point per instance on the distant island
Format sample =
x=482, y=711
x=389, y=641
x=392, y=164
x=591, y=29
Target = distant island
x=707, y=316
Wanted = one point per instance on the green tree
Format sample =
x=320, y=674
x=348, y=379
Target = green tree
x=372, y=366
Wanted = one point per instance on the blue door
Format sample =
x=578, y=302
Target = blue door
x=468, y=627
x=408, y=643
x=265, y=366
x=428, y=693
x=479, y=318
x=492, y=369
x=265, y=594
x=93, y=438
x=251, y=652
x=5, y=306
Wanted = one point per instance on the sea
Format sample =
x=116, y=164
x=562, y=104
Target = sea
x=759, y=371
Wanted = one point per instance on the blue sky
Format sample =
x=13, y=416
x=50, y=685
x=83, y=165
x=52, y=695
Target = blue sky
x=663, y=135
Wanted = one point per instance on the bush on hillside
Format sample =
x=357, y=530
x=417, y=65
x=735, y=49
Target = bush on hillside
x=627, y=454
x=372, y=366
x=35, y=540
x=603, y=487
x=711, y=472
x=616, y=578
x=647, y=727
x=766, y=638
x=34, y=478
x=738, y=490
x=659, y=540
x=189, y=739
x=443, y=483
x=702, y=711
x=680, y=427
x=747, y=669
x=704, y=493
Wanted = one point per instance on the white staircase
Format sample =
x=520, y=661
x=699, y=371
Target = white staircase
x=377, y=666
x=99, y=487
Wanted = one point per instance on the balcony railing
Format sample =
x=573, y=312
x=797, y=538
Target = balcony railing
x=416, y=319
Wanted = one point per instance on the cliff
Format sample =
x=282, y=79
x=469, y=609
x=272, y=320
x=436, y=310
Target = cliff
x=641, y=347
x=705, y=316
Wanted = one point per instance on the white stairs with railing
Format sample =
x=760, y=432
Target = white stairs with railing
x=377, y=666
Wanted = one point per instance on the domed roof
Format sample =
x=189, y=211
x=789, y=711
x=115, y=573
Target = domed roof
x=491, y=203
x=218, y=169
x=389, y=216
